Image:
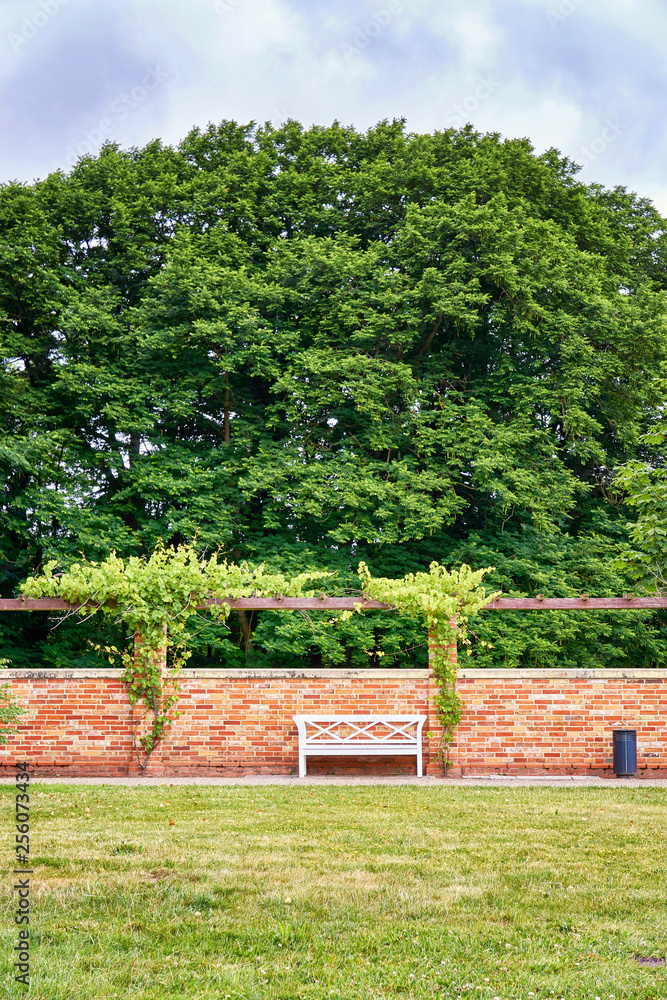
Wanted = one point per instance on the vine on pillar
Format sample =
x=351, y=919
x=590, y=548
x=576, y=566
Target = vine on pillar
x=443, y=665
x=445, y=600
x=158, y=598
x=154, y=688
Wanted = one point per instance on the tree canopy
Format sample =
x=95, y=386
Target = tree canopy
x=313, y=347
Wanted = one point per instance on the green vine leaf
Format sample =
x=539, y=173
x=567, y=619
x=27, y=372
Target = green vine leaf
x=10, y=709
x=154, y=597
x=444, y=599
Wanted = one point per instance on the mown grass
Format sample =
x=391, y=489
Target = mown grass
x=343, y=892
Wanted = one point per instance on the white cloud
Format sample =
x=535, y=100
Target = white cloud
x=497, y=63
x=546, y=121
x=475, y=36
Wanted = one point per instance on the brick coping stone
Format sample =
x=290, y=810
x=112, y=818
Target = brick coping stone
x=193, y=673
x=501, y=673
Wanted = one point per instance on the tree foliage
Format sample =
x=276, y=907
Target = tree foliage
x=312, y=347
x=644, y=484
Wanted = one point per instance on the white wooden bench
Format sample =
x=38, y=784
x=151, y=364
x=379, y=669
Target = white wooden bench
x=338, y=735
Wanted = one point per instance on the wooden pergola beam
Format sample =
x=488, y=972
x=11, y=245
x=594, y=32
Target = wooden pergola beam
x=249, y=603
x=627, y=603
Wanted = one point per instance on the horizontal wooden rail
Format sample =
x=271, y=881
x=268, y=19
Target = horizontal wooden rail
x=301, y=603
x=36, y=604
x=627, y=603
x=254, y=603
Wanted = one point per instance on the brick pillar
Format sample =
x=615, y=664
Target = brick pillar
x=433, y=725
x=155, y=766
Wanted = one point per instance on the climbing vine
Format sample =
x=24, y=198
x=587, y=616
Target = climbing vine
x=157, y=598
x=10, y=709
x=444, y=600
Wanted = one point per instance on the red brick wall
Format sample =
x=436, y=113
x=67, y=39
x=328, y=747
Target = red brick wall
x=232, y=722
x=559, y=721
x=78, y=722
x=235, y=722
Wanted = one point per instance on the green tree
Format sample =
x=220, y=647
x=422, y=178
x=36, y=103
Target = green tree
x=643, y=481
x=319, y=346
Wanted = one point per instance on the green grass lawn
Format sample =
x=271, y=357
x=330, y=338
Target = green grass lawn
x=343, y=892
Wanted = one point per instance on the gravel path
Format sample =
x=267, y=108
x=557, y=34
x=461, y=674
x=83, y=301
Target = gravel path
x=290, y=780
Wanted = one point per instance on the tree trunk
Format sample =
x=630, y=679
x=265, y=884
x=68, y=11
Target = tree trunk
x=246, y=630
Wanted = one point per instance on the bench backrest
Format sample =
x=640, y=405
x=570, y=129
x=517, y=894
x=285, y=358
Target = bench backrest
x=362, y=729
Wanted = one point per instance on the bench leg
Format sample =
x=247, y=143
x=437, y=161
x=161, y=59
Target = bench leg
x=302, y=765
x=419, y=762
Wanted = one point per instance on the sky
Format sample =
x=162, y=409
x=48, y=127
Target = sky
x=587, y=77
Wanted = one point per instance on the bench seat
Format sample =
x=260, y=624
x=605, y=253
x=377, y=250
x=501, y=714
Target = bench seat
x=359, y=735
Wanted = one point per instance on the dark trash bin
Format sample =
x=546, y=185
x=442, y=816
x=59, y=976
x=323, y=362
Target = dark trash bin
x=625, y=752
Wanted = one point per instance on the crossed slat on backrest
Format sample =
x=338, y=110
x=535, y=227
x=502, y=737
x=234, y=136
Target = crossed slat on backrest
x=328, y=729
